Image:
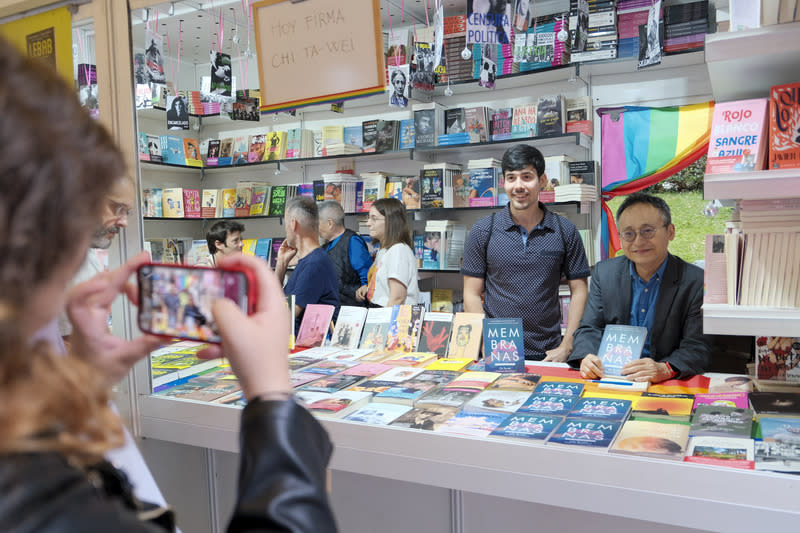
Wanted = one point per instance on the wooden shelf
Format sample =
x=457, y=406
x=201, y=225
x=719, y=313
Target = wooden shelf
x=759, y=185
x=721, y=319
x=745, y=64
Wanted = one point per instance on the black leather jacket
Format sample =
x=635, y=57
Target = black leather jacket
x=284, y=456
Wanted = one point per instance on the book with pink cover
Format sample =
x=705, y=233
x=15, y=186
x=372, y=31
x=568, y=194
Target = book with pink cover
x=191, y=203
x=739, y=138
x=729, y=399
x=315, y=324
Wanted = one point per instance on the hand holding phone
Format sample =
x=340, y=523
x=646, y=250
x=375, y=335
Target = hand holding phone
x=256, y=345
x=177, y=300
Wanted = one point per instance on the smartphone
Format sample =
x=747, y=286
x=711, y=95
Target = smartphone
x=176, y=300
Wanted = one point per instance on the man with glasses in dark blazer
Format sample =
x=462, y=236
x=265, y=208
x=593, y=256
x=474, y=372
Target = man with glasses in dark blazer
x=647, y=287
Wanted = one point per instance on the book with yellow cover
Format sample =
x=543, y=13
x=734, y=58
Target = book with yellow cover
x=228, y=202
x=260, y=199
x=191, y=152
x=244, y=198
x=172, y=202
x=276, y=146
x=446, y=363
x=249, y=246
x=466, y=337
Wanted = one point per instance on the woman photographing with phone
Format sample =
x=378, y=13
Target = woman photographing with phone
x=56, y=423
x=393, y=276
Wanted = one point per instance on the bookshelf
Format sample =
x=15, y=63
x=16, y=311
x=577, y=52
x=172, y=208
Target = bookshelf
x=745, y=65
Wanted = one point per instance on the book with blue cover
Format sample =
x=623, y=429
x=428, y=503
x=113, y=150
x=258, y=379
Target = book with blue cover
x=620, y=345
x=526, y=427
x=546, y=404
x=503, y=348
x=483, y=187
x=560, y=388
x=172, y=150
x=407, y=134
x=581, y=432
x=354, y=135
x=601, y=409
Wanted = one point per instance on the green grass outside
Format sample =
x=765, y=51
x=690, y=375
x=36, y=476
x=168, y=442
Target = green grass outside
x=691, y=226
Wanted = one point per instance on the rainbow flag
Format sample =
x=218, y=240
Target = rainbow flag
x=644, y=145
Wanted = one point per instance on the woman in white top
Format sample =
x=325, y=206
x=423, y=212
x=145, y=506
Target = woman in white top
x=393, y=276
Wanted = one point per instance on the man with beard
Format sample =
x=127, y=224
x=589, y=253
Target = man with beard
x=115, y=217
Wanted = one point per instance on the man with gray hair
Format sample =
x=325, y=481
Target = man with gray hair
x=314, y=278
x=347, y=250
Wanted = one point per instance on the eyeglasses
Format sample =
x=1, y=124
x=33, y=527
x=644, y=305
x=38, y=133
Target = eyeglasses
x=120, y=210
x=375, y=219
x=647, y=233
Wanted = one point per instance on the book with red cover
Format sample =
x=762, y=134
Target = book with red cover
x=191, y=203
x=784, y=126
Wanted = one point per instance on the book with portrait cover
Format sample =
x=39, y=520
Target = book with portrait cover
x=225, y=152
x=784, y=126
x=154, y=148
x=503, y=348
x=497, y=401
x=619, y=346
x=432, y=189
x=448, y=397
x=427, y=417
x=339, y=404
x=500, y=125
x=152, y=199
x=466, y=336
x=257, y=148
x=191, y=203
x=435, y=334
x=376, y=328
x=483, y=187
x=191, y=152
x=738, y=141
x=652, y=439
x=550, y=115
x=349, y=324
x=212, y=154
x=597, y=434
x=314, y=325
x=407, y=392
x=579, y=115
x=276, y=146
x=332, y=383
x=526, y=427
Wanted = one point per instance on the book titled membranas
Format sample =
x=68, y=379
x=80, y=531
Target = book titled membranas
x=620, y=345
x=503, y=347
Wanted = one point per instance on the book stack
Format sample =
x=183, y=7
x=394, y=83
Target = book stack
x=437, y=184
x=602, y=38
x=299, y=143
x=483, y=181
x=575, y=192
x=341, y=149
x=686, y=25
x=631, y=14
x=374, y=188
x=455, y=40
x=435, y=243
x=345, y=189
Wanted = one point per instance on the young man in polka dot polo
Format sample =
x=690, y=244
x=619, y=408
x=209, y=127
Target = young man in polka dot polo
x=515, y=259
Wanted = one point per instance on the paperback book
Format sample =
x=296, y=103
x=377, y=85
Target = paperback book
x=721, y=421
x=619, y=346
x=595, y=434
x=547, y=405
x=472, y=424
x=653, y=439
x=526, y=427
x=503, y=348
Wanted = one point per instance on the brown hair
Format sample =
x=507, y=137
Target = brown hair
x=396, y=226
x=58, y=166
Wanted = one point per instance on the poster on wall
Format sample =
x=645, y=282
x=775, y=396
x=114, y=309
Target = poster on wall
x=154, y=58
x=46, y=36
x=338, y=43
x=398, y=78
x=177, y=113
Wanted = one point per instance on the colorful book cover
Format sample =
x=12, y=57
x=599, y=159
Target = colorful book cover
x=407, y=134
x=154, y=148
x=428, y=417
x=501, y=124
x=263, y=247
x=601, y=408
x=339, y=404
x=778, y=358
x=435, y=334
x=472, y=424
x=259, y=199
x=475, y=118
x=722, y=421
x=258, y=146
x=579, y=115
x=378, y=414
x=212, y=154
x=449, y=397
x=721, y=451
x=560, y=388
x=225, y=152
x=523, y=122
x=152, y=199
x=497, y=401
x=411, y=192
x=277, y=201
x=591, y=433
x=172, y=202
x=331, y=384
x=516, y=381
x=654, y=405
x=530, y=427
x=473, y=381
x=547, y=404
x=244, y=198
x=444, y=363
x=620, y=345
x=314, y=325
x=240, y=151
x=728, y=399
x=354, y=135
x=483, y=187
x=276, y=146
x=172, y=150
x=466, y=337
x=228, y=202
x=503, y=348
x=209, y=207
x=432, y=188
x=655, y=439
x=738, y=140
x=376, y=328
x=784, y=126
x=191, y=203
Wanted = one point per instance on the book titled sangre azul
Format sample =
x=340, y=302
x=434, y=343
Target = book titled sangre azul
x=620, y=345
x=503, y=348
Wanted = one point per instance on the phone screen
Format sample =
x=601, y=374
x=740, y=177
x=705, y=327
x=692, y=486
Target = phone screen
x=176, y=301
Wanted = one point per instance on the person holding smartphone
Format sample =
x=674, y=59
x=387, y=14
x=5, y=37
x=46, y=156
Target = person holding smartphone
x=56, y=423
